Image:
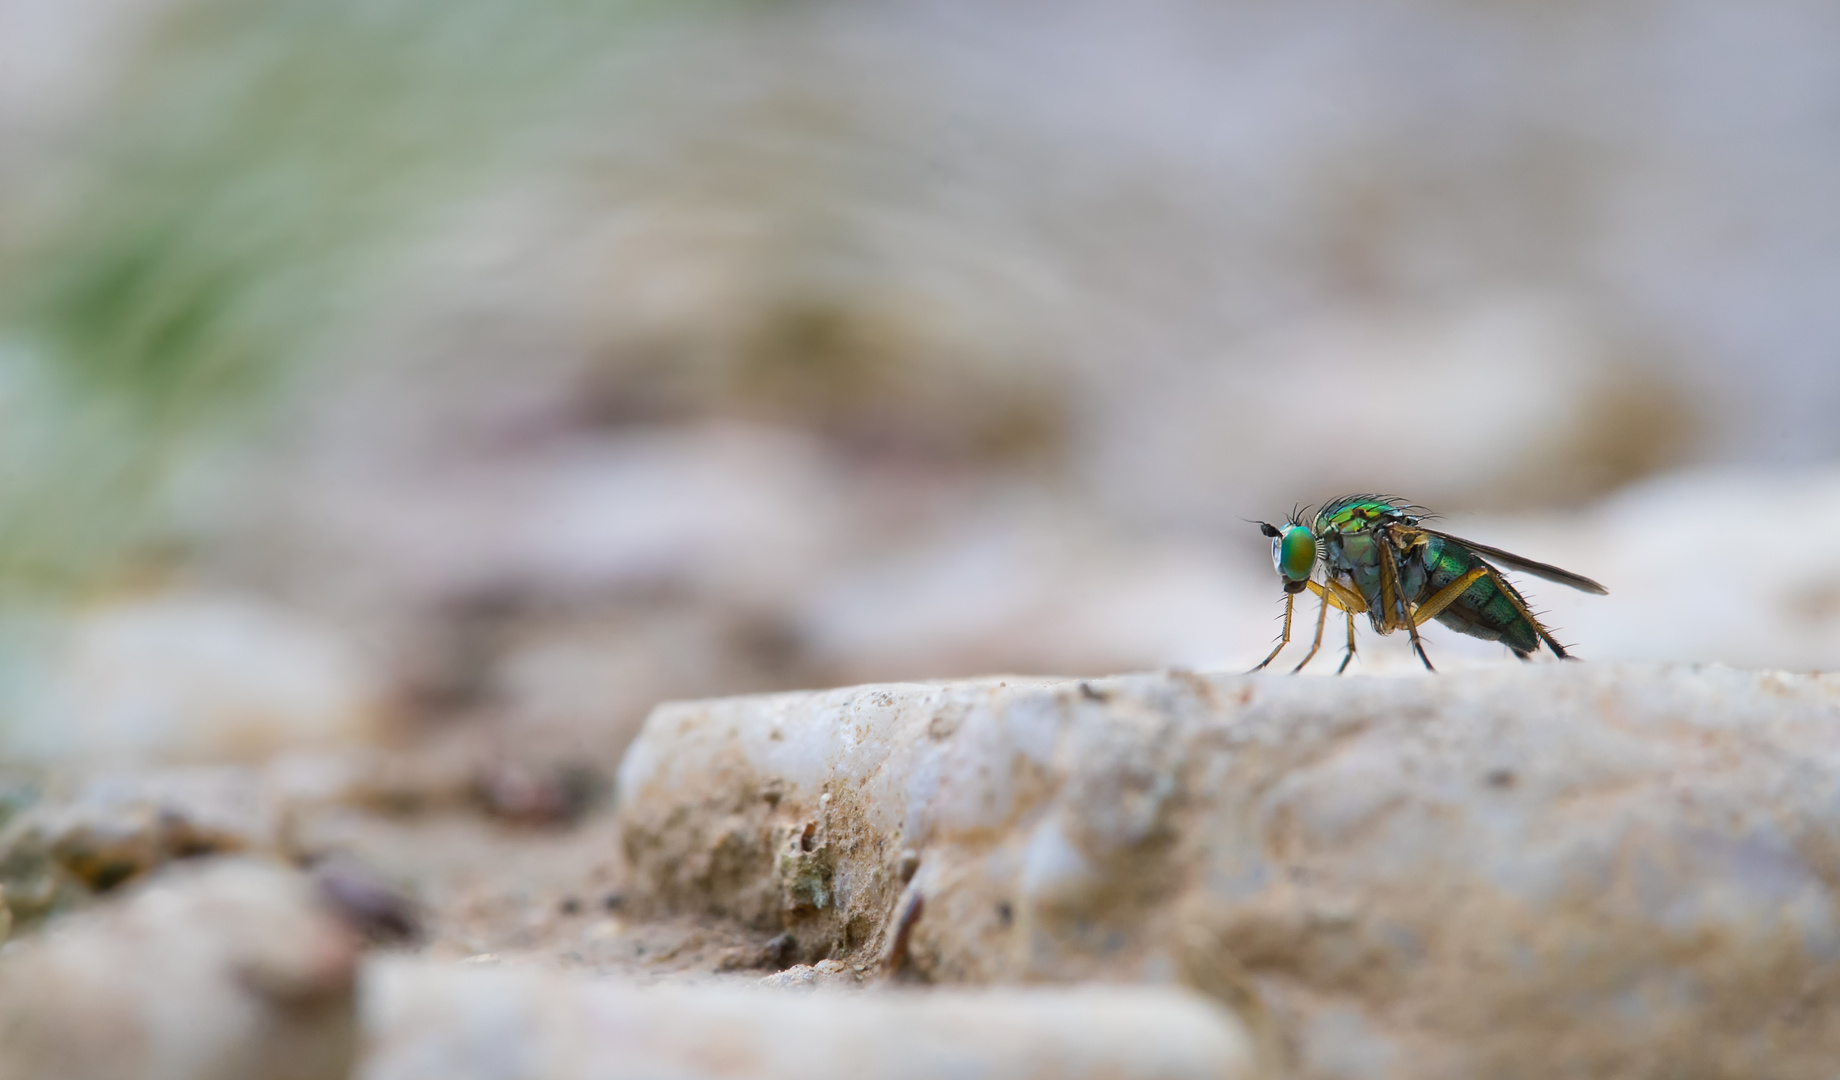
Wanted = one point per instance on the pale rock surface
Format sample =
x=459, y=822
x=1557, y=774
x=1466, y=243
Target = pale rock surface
x=424, y=1020
x=236, y=970
x=185, y=677
x=1529, y=871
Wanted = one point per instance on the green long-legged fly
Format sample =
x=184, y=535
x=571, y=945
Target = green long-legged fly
x=1372, y=554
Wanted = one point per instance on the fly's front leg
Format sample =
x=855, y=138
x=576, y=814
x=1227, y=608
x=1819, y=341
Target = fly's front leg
x=1350, y=603
x=1322, y=616
x=1284, y=638
x=1341, y=598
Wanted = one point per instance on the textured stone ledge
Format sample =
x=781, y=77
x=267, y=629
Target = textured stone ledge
x=1603, y=869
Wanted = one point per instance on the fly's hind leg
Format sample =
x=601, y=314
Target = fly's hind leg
x=1447, y=595
x=1520, y=608
x=1284, y=638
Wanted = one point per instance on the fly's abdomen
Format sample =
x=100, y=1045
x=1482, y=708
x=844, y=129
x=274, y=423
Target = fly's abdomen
x=1483, y=611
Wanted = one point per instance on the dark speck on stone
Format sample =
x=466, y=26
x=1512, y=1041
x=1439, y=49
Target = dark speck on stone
x=366, y=902
x=613, y=902
x=1005, y=914
x=570, y=906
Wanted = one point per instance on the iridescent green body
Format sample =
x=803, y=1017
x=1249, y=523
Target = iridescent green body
x=1372, y=555
x=1352, y=529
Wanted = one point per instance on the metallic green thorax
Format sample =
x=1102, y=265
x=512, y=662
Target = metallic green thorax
x=1352, y=528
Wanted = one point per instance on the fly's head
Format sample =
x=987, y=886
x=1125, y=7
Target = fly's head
x=1293, y=552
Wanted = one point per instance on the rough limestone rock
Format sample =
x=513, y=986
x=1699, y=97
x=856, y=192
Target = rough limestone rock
x=119, y=826
x=426, y=1020
x=232, y=970
x=1529, y=871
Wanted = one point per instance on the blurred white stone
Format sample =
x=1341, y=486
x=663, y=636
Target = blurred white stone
x=190, y=678
x=1422, y=877
x=1502, y=403
x=1031, y=587
x=230, y=971
x=427, y=1020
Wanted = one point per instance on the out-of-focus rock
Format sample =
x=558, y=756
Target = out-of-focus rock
x=233, y=971
x=825, y=973
x=378, y=911
x=191, y=679
x=118, y=827
x=1505, y=405
x=423, y=1020
x=1418, y=877
x=1031, y=587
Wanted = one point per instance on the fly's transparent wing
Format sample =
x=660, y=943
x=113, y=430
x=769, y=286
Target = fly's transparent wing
x=1524, y=565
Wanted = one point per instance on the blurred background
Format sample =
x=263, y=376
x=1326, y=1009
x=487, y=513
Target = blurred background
x=468, y=373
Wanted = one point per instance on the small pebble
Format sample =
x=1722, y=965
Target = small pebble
x=366, y=902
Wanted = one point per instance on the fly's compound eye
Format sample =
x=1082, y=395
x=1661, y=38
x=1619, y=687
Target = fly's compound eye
x=1293, y=552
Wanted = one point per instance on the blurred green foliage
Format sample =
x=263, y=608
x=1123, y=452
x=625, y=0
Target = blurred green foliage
x=264, y=164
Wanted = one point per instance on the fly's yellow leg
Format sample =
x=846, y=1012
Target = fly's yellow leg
x=1520, y=607
x=1343, y=599
x=1418, y=647
x=1389, y=587
x=1350, y=603
x=1349, y=655
x=1447, y=595
x=1284, y=638
x=1389, y=591
x=1342, y=596
x=1322, y=617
